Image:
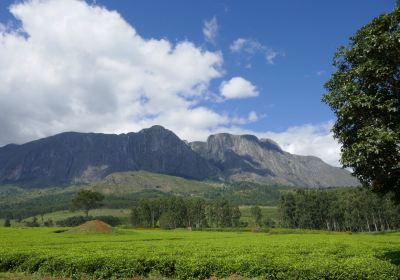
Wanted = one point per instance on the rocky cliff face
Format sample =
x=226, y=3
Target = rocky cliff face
x=245, y=157
x=87, y=157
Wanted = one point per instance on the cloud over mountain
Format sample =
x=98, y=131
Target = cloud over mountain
x=75, y=66
x=72, y=66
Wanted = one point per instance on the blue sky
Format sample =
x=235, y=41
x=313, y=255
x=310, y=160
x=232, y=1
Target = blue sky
x=283, y=58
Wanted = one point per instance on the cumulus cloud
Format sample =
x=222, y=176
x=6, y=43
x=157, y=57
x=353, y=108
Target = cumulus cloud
x=251, y=47
x=210, y=30
x=237, y=87
x=71, y=66
x=75, y=66
x=251, y=117
x=309, y=139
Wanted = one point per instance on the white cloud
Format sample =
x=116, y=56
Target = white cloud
x=71, y=66
x=253, y=116
x=309, y=139
x=210, y=30
x=251, y=47
x=75, y=66
x=237, y=87
x=238, y=45
x=270, y=55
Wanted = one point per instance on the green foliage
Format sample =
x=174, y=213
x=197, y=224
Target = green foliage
x=35, y=205
x=48, y=223
x=270, y=216
x=27, y=203
x=256, y=214
x=167, y=221
x=139, y=181
x=339, y=210
x=86, y=200
x=7, y=223
x=78, y=220
x=33, y=223
x=179, y=254
x=73, y=221
x=181, y=212
x=364, y=93
x=247, y=193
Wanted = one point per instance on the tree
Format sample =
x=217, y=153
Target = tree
x=86, y=200
x=135, y=216
x=255, y=212
x=236, y=214
x=167, y=220
x=364, y=93
x=7, y=223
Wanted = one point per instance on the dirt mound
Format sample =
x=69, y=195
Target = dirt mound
x=95, y=226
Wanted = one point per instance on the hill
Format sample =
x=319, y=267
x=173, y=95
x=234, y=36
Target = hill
x=125, y=189
x=139, y=181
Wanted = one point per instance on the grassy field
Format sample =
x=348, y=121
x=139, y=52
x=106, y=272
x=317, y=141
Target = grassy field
x=198, y=255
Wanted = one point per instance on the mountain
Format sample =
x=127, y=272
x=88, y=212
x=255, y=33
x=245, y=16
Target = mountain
x=247, y=158
x=85, y=157
x=73, y=158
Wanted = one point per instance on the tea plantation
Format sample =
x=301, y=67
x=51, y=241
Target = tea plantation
x=187, y=254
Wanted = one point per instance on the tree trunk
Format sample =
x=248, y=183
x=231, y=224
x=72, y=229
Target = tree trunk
x=369, y=229
x=373, y=220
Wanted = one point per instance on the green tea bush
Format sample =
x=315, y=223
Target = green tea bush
x=200, y=254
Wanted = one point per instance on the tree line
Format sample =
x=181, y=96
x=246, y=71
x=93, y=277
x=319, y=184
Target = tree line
x=353, y=210
x=179, y=212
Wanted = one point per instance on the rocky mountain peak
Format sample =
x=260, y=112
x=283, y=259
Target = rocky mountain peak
x=245, y=157
x=73, y=157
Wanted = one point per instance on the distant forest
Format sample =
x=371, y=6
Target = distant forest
x=334, y=209
x=178, y=212
x=352, y=209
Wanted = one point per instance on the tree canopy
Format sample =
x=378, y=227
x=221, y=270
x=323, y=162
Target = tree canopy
x=86, y=200
x=364, y=93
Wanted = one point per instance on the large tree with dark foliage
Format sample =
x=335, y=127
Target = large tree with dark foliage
x=86, y=200
x=364, y=93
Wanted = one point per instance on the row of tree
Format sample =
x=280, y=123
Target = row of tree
x=339, y=210
x=178, y=212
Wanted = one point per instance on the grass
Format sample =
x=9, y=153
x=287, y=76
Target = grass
x=198, y=255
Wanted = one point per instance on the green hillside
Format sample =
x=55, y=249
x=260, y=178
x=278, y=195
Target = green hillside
x=139, y=181
x=126, y=189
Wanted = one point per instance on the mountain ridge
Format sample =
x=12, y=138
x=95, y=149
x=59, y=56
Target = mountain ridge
x=245, y=157
x=74, y=157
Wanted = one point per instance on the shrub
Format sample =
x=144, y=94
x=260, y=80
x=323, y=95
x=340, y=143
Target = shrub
x=7, y=223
